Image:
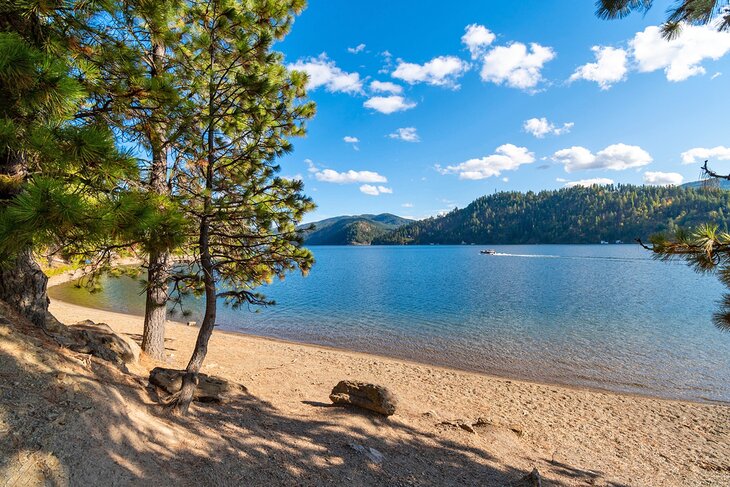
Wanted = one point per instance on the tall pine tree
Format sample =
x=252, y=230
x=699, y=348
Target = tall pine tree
x=249, y=106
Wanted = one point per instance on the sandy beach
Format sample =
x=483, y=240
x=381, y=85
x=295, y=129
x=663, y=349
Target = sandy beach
x=573, y=437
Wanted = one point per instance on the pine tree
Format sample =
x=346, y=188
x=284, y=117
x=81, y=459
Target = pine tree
x=57, y=172
x=131, y=46
x=249, y=106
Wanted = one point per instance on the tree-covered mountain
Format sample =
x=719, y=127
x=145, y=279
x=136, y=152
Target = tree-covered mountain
x=352, y=230
x=572, y=215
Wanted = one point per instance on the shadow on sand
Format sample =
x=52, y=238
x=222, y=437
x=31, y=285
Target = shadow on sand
x=67, y=419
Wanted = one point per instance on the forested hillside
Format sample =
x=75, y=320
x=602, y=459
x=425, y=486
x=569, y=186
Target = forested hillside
x=573, y=215
x=352, y=230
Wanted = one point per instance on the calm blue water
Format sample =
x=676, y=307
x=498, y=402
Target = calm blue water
x=600, y=316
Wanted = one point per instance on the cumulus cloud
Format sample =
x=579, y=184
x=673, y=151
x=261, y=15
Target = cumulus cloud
x=406, y=134
x=323, y=72
x=440, y=71
x=332, y=176
x=702, y=154
x=356, y=49
x=350, y=140
x=476, y=38
x=663, y=178
x=375, y=190
x=389, y=104
x=540, y=127
x=516, y=65
x=587, y=183
x=616, y=157
x=682, y=57
x=385, y=87
x=507, y=157
x=610, y=67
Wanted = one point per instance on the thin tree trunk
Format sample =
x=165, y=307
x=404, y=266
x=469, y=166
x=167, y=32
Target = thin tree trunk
x=23, y=288
x=158, y=269
x=190, y=378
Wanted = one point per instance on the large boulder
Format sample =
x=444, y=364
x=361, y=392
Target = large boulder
x=368, y=396
x=210, y=388
x=100, y=340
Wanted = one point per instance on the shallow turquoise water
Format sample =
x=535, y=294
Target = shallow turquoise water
x=600, y=316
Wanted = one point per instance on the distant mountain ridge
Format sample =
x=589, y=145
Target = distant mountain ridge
x=570, y=215
x=352, y=229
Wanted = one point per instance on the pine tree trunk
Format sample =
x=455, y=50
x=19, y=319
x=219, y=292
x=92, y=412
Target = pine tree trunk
x=22, y=282
x=23, y=287
x=155, y=313
x=158, y=270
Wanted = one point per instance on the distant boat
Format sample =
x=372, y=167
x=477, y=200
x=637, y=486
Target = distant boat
x=603, y=242
x=488, y=252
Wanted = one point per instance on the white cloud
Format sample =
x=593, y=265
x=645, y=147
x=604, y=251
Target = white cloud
x=507, y=157
x=610, y=67
x=663, y=178
x=332, y=176
x=589, y=182
x=701, y=154
x=385, y=87
x=516, y=65
x=389, y=104
x=616, y=157
x=350, y=140
x=324, y=73
x=310, y=166
x=540, y=127
x=356, y=49
x=407, y=134
x=375, y=190
x=716, y=75
x=407, y=205
x=440, y=71
x=682, y=57
x=476, y=38
x=505, y=179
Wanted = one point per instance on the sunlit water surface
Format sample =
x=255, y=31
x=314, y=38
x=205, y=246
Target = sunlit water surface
x=600, y=316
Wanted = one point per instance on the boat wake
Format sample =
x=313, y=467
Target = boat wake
x=502, y=254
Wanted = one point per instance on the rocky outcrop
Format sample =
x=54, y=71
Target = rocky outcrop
x=368, y=396
x=210, y=388
x=100, y=340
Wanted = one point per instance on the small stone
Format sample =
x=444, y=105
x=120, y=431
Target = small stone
x=192, y=323
x=532, y=479
x=374, y=455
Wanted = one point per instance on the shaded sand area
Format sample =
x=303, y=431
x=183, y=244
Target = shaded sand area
x=79, y=421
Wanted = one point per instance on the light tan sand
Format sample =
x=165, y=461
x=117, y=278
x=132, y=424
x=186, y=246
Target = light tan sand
x=287, y=434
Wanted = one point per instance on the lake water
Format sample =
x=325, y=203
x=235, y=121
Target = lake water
x=604, y=316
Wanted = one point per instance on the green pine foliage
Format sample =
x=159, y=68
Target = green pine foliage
x=572, y=215
x=693, y=12
x=60, y=177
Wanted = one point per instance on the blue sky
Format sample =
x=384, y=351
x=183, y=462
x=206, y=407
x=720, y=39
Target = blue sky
x=473, y=97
